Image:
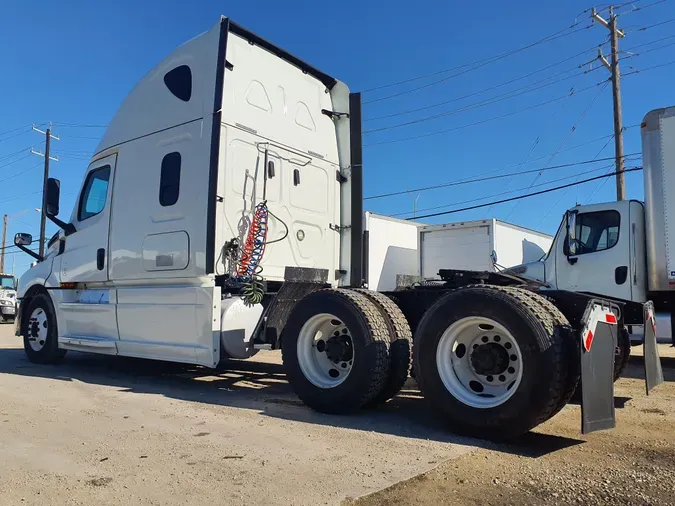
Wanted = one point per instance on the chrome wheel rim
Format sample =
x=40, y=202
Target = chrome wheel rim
x=37, y=329
x=479, y=362
x=325, y=351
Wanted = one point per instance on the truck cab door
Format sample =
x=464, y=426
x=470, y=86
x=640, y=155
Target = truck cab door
x=85, y=256
x=598, y=259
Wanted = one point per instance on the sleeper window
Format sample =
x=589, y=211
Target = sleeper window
x=169, y=181
x=94, y=194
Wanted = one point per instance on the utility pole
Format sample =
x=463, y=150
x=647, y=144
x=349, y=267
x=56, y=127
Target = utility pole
x=613, y=68
x=43, y=216
x=4, y=239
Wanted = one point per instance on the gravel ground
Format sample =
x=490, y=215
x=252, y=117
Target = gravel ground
x=633, y=464
x=99, y=430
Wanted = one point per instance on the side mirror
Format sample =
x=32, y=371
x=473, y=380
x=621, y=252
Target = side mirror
x=571, y=217
x=23, y=240
x=52, y=197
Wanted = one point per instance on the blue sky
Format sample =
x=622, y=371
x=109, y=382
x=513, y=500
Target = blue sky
x=74, y=62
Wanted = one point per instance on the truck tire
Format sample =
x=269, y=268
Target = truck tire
x=622, y=354
x=335, y=350
x=400, y=345
x=570, y=344
x=490, y=361
x=40, y=331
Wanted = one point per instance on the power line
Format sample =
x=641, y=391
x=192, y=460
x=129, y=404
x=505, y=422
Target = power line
x=499, y=98
x=487, y=120
x=639, y=71
x=567, y=191
x=16, y=134
x=473, y=66
x=490, y=178
x=7, y=157
x=20, y=173
x=569, y=134
x=636, y=9
x=533, y=194
x=409, y=111
x=24, y=127
x=656, y=24
x=77, y=125
x=14, y=161
x=507, y=192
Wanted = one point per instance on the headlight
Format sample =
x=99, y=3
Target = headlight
x=6, y=303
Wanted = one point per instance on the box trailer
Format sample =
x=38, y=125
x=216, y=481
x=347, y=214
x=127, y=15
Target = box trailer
x=482, y=245
x=221, y=214
x=395, y=247
x=391, y=249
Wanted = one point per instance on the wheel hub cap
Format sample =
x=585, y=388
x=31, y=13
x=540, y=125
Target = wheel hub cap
x=479, y=362
x=325, y=351
x=490, y=359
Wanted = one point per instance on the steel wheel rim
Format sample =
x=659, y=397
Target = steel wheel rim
x=37, y=329
x=472, y=366
x=324, y=339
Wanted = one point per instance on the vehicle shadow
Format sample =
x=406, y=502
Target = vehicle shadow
x=262, y=386
x=636, y=368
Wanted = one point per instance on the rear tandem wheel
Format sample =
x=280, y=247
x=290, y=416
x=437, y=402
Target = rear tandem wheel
x=335, y=350
x=492, y=364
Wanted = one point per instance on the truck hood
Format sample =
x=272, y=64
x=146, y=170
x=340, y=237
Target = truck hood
x=530, y=270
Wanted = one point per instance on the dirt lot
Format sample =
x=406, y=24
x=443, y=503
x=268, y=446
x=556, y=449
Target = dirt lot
x=631, y=465
x=108, y=430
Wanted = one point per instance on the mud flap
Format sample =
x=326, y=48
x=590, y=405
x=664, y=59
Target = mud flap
x=598, y=343
x=653, y=371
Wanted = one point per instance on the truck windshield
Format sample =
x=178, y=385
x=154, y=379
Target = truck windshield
x=7, y=282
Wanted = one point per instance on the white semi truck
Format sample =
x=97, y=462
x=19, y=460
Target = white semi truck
x=623, y=251
x=221, y=214
x=7, y=297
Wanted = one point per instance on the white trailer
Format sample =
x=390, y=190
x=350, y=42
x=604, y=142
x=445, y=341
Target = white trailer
x=403, y=247
x=391, y=248
x=221, y=214
x=481, y=245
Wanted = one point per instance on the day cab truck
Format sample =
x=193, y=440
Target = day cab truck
x=221, y=214
x=7, y=297
x=623, y=251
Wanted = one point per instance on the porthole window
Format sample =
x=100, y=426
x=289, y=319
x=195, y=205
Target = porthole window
x=179, y=82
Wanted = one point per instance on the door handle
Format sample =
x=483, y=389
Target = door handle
x=100, y=259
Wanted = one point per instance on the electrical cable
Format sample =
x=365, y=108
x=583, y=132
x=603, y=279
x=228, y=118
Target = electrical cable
x=409, y=111
x=640, y=71
x=533, y=194
x=490, y=178
x=476, y=65
x=20, y=173
x=644, y=28
x=16, y=135
x=482, y=103
x=547, y=124
x=77, y=125
x=569, y=134
x=487, y=120
x=507, y=192
x=567, y=191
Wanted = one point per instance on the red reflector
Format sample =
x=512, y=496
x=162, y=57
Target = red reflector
x=69, y=286
x=610, y=318
x=589, y=341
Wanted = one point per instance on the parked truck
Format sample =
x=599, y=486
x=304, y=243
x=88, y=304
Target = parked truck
x=7, y=297
x=221, y=214
x=625, y=250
